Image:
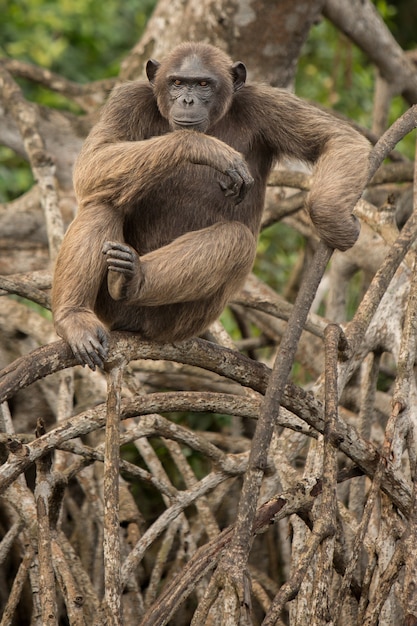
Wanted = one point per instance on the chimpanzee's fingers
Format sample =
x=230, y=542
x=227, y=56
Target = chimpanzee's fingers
x=247, y=182
x=92, y=350
x=120, y=257
x=117, y=246
x=232, y=189
x=241, y=182
x=83, y=358
x=103, y=343
x=118, y=265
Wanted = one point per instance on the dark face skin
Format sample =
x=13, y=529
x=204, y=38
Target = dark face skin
x=192, y=90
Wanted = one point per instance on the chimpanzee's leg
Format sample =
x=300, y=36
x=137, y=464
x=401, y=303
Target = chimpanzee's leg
x=192, y=267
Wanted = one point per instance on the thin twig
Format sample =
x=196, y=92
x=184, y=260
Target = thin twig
x=56, y=82
x=291, y=587
x=386, y=581
x=25, y=290
x=70, y=588
x=401, y=127
x=410, y=553
x=15, y=594
x=42, y=164
x=46, y=570
x=328, y=506
x=112, y=551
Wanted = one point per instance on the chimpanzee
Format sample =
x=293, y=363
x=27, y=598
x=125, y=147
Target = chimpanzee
x=171, y=184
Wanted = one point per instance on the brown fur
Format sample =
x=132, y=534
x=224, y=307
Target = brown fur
x=139, y=181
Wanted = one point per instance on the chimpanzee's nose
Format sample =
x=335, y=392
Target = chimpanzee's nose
x=188, y=99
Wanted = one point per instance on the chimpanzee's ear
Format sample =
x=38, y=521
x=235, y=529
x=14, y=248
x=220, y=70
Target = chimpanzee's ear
x=151, y=69
x=239, y=75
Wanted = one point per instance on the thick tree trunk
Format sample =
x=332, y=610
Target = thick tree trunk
x=267, y=36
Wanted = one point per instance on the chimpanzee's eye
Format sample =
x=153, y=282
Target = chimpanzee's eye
x=203, y=83
x=177, y=82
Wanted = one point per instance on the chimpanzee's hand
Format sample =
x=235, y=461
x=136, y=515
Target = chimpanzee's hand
x=223, y=158
x=92, y=348
x=240, y=181
x=86, y=337
x=124, y=273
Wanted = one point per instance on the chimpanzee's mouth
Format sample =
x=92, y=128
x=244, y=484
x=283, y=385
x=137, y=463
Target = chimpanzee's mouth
x=188, y=123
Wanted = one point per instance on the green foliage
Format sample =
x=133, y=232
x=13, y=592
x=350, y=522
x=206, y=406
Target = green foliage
x=332, y=71
x=401, y=18
x=15, y=175
x=387, y=11
x=201, y=421
x=278, y=250
x=83, y=40
x=335, y=73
